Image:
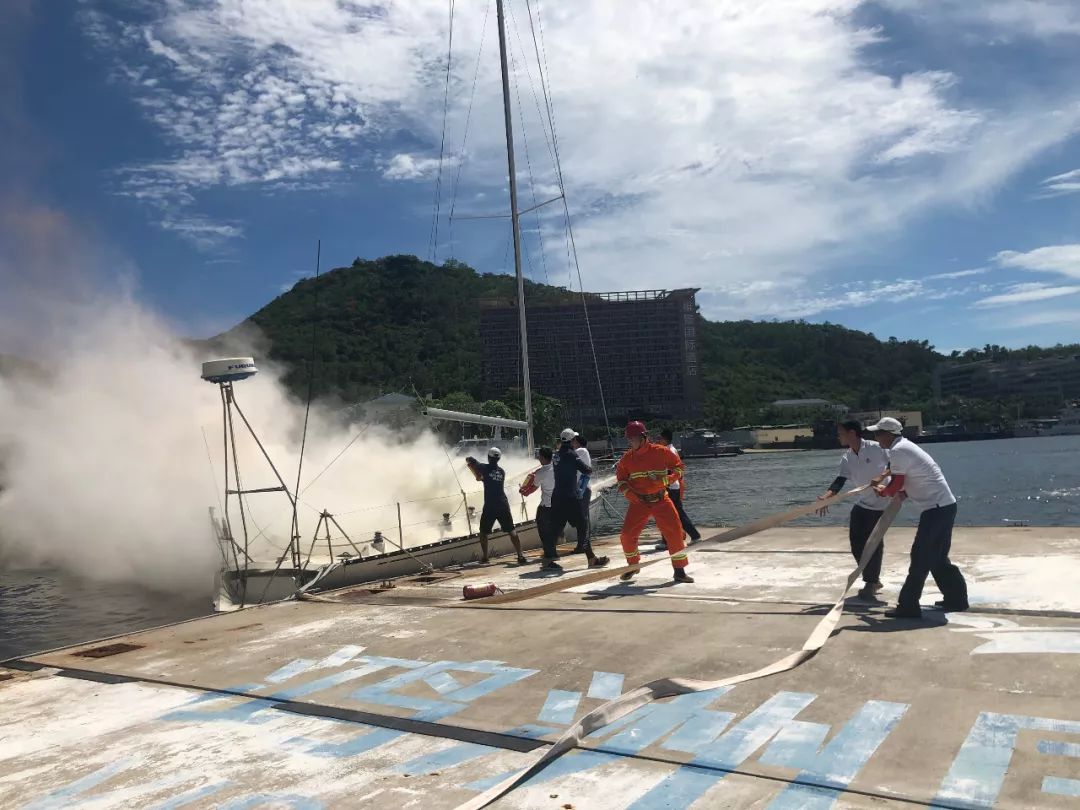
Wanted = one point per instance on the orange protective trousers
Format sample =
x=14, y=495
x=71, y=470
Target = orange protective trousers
x=667, y=521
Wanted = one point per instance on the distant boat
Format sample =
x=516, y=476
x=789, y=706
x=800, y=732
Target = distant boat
x=1068, y=423
x=703, y=443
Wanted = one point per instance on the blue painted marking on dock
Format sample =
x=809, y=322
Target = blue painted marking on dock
x=359, y=744
x=1060, y=749
x=385, y=694
x=499, y=675
x=606, y=685
x=290, y=670
x=369, y=665
x=652, y=723
x=533, y=732
x=726, y=753
x=242, y=709
x=978, y=771
x=292, y=801
x=697, y=731
x=560, y=707
x=443, y=683
x=62, y=797
x=341, y=657
x=678, y=790
x=302, y=665
x=831, y=769
x=1060, y=786
x=191, y=796
x=447, y=758
x=571, y=763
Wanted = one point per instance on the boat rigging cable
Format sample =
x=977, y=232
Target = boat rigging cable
x=465, y=136
x=551, y=141
x=294, y=541
x=433, y=240
x=571, y=242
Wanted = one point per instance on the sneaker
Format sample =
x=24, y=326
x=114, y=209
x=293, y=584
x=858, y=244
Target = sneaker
x=629, y=575
x=550, y=565
x=951, y=607
x=522, y=560
x=682, y=576
x=598, y=562
x=903, y=613
x=869, y=592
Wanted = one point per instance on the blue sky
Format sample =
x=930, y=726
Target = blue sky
x=907, y=167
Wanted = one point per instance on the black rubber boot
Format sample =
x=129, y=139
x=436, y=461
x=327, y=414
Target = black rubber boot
x=682, y=576
x=903, y=613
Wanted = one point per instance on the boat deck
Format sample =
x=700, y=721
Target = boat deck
x=402, y=698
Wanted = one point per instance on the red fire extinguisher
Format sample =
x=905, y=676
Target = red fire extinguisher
x=480, y=591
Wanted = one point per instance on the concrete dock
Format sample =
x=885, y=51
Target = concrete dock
x=403, y=698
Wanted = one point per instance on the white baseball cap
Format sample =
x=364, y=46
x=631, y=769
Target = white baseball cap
x=887, y=425
x=567, y=434
x=494, y=452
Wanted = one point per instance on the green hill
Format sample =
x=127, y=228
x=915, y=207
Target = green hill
x=396, y=323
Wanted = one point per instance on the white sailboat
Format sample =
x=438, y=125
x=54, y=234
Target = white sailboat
x=243, y=581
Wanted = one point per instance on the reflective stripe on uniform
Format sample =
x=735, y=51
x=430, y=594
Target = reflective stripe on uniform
x=682, y=555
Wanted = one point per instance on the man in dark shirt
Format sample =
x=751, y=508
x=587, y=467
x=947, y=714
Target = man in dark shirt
x=565, y=505
x=496, y=506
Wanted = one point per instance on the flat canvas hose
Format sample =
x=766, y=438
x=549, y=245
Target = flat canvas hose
x=716, y=539
x=669, y=687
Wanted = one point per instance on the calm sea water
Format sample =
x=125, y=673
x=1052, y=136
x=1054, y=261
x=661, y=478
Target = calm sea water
x=1031, y=480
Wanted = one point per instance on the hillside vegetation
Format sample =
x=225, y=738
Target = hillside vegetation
x=399, y=324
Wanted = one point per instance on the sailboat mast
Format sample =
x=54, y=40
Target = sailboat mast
x=516, y=227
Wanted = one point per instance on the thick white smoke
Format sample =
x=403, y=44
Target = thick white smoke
x=105, y=472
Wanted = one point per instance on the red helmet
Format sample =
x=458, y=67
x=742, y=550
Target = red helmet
x=635, y=429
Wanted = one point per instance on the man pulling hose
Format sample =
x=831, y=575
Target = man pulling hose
x=644, y=473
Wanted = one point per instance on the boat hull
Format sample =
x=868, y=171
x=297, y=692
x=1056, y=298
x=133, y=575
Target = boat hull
x=263, y=584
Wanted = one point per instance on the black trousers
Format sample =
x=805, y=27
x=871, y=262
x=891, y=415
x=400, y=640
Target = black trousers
x=687, y=524
x=548, y=538
x=860, y=525
x=564, y=509
x=583, y=527
x=930, y=555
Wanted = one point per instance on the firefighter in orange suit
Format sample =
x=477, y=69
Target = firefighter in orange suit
x=644, y=473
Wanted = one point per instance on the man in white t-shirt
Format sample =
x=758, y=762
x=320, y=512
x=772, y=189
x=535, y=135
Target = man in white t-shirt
x=584, y=493
x=916, y=475
x=544, y=478
x=862, y=464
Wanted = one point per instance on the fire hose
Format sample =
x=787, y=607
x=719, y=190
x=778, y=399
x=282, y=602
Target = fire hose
x=670, y=687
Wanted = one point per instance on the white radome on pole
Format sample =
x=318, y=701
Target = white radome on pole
x=229, y=369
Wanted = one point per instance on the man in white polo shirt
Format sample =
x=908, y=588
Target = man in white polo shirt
x=862, y=464
x=918, y=476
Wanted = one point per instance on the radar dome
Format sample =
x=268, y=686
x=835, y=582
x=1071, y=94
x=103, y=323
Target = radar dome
x=230, y=369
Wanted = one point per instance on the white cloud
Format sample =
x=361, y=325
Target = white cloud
x=1005, y=19
x=977, y=271
x=1061, y=259
x=1042, y=317
x=200, y=231
x=1025, y=294
x=1067, y=183
x=732, y=141
x=786, y=300
x=412, y=167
